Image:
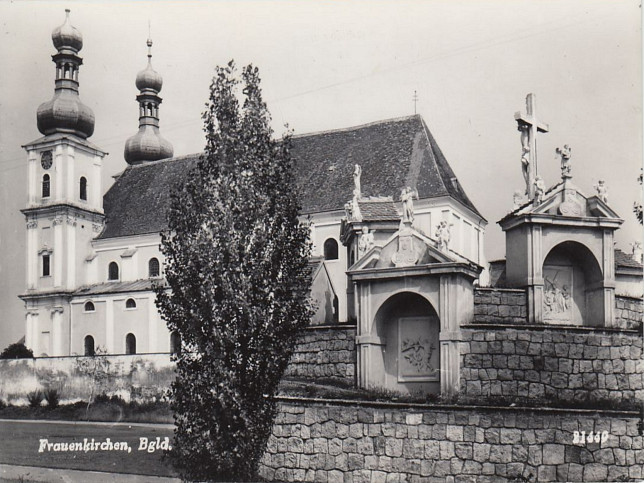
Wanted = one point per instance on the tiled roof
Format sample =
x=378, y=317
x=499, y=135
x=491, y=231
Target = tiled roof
x=392, y=154
x=625, y=260
x=378, y=210
x=115, y=287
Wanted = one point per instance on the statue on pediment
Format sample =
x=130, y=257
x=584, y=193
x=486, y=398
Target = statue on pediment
x=407, y=197
x=443, y=235
x=602, y=191
x=566, y=166
x=636, y=252
x=366, y=241
x=517, y=200
x=357, y=189
x=539, y=189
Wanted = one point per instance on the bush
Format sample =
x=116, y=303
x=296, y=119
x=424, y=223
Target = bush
x=35, y=398
x=17, y=351
x=52, y=397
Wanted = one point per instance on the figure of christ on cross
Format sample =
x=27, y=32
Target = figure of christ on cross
x=529, y=126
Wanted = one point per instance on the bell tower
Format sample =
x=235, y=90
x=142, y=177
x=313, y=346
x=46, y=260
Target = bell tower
x=65, y=203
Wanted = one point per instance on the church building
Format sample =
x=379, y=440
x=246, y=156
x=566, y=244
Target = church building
x=398, y=247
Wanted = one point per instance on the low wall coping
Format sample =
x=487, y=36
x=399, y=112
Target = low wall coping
x=630, y=297
x=331, y=327
x=493, y=289
x=448, y=407
x=560, y=328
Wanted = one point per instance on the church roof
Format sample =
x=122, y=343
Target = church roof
x=392, y=154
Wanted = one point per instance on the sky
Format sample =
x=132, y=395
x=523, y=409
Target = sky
x=328, y=65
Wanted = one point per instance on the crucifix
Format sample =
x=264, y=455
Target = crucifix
x=529, y=126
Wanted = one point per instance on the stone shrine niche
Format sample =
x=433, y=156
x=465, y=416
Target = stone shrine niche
x=572, y=292
x=407, y=327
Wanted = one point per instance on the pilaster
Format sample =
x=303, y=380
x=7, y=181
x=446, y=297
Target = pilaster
x=109, y=326
x=57, y=331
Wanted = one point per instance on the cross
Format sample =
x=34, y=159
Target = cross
x=415, y=99
x=529, y=126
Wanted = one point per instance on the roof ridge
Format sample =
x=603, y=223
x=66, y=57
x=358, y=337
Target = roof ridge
x=165, y=160
x=355, y=128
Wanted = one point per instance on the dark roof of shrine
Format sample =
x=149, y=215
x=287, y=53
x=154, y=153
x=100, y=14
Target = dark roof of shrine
x=392, y=154
x=625, y=260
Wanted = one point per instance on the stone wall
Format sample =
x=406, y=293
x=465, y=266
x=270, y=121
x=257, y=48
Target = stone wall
x=142, y=377
x=554, y=364
x=628, y=312
x=327, y=352
x=500, y=305
x=337, y=442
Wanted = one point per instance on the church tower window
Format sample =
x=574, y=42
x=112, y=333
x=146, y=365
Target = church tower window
x=330, y=249
x=130, y=304
x=89, y=346
x=130, y=344
x=89, y=306
x=113, y=271
x=46, y=265
x=83, y=188
x=153, y=268
x=46, y=186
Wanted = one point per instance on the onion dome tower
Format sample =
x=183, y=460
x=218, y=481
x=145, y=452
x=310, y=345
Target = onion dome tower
x=148, y=144
x=65, y=113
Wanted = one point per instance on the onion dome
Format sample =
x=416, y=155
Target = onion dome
x=148, y=144
x=65, y=113
x=149, y=78
x=67, y=36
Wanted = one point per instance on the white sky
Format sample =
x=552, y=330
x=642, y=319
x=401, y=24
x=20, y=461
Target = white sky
x=328, y=65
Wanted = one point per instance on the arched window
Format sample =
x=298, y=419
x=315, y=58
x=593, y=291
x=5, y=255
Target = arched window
x=46, y=186
x=89, y=345
x=175, y=343
x=89, y=306
x=153, y=268
x=130, y=344
x=113, y=271
x=83, y=188
x=130, y=304
x=330, y=249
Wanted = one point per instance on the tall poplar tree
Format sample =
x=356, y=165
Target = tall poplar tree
x=237, y=284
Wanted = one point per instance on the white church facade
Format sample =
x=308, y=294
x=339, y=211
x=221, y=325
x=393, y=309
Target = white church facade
x=398, y=247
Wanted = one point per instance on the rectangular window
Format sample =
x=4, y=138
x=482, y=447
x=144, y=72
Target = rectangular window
x=45, y=266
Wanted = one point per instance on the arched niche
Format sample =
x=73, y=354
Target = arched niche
x=573, y=286
x=407, y=326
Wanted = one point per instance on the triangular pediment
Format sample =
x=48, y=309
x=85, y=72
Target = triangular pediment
x=565, y=199
x=406, y=247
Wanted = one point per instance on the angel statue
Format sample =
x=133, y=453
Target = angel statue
x=566, y=166
x=602, y=191
x=540, y=189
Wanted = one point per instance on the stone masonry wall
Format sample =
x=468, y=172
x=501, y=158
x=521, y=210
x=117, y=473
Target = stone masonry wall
x=559, y=364
x=628, y=312
x=325, y=352
x=500, y=305
x=347, y=443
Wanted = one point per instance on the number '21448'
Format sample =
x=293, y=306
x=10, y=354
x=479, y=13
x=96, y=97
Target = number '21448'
x=581, y=438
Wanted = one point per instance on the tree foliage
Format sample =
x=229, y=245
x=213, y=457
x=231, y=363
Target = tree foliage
x=637, y=206
x=17, y=351
x=237, y=284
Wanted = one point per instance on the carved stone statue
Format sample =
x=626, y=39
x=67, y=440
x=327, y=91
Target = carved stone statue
x=366, y=241
x=566, y=166
x=539, y=189
x=525, y=154
x=407, y=197
x=517, y=200
x=602, y=191
x=357, y=172
x=443, y=235
x=637, y=253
